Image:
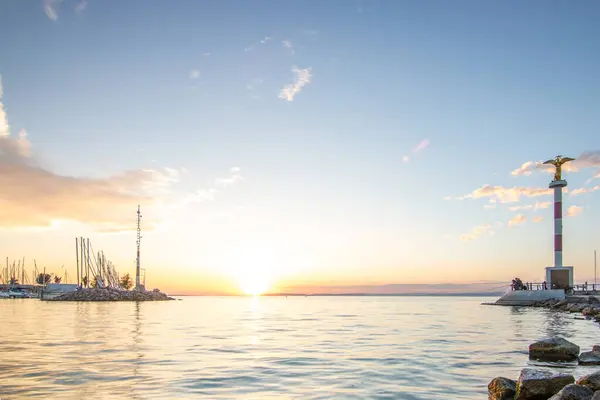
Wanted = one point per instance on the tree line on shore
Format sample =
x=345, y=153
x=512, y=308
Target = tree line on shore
x=44, y=278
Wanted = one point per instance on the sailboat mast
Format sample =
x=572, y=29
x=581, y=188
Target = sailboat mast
x=594, y=268
x=138, y=241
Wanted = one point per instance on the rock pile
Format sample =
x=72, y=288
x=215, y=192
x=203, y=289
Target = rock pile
x=589, y=306
x=534, y=384
x=108, y=294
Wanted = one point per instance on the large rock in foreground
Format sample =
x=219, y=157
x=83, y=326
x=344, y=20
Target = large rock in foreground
x=574, y=392
x=502, y=389
x=536, y=384
x=592, y=381
x=107, y=294
x=554, y=349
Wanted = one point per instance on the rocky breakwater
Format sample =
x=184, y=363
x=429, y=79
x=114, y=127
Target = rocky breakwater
x=537, y=384
x=108, y=294
x=589, y=306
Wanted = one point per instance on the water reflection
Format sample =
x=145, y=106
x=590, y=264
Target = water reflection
x=418, y=348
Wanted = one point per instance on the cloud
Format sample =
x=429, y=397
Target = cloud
x=587, y=159
x=302, y=79
x=203, y=195
x=489, y=206
x=516, y=220
x=266, y=39
x=194, y=74
x=421, y=146
x=288, y=45
x=505, y=195
x=584, y=190
x=573, y=211
x=207, y=54
x=477, y=232
x=81, y=6
x=32, y=196
x=537, y=206
x=537, y=219
x=234, y=176
x=50, y=7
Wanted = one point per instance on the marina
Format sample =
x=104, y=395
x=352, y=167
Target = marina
x=97, y=278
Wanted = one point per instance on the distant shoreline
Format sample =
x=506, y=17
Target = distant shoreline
x=485, y=294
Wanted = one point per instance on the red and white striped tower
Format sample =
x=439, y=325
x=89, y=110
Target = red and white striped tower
x=558, y=185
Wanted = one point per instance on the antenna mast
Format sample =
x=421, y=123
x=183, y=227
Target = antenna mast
x=139, y=239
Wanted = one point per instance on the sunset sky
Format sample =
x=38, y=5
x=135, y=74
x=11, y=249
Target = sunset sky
x=299, y=145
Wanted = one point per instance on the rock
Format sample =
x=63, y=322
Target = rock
x=589, y=358
x=109, y=294
x=502, y=389
x=574, y=392
x=553, y=349
x=592, y=381
x=596, y=347
x=534, y=384
x=596, y=395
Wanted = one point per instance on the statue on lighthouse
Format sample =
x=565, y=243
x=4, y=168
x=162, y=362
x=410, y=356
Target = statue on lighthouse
x=558, y=162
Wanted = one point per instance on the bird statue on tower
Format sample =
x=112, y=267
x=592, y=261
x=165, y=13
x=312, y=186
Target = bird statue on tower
x=558, y=162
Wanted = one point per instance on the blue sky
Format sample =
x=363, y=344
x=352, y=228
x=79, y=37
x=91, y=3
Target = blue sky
x=104, y=87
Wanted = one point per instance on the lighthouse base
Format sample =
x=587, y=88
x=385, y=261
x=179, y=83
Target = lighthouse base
x=559, y=277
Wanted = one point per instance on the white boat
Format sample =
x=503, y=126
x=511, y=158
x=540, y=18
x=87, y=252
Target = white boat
x=18, y=294
x=4, y=295
x=52, y=290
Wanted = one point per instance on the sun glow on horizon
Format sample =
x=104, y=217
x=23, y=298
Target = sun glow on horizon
x=253, y=268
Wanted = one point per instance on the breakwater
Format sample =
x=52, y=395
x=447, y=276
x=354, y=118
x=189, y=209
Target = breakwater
x=110, y=294
x=538, y=384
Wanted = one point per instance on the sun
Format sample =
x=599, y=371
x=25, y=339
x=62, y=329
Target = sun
x=253, y=267
x=254, y=285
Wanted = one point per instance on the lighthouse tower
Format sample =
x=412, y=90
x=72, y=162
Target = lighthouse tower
x=558, y=276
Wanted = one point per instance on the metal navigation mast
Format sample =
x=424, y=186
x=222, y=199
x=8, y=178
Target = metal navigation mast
x=139, y=239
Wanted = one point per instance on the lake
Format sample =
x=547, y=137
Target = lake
x=402, y=347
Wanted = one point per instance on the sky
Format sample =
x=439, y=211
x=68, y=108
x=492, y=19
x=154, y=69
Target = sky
x=282, y=146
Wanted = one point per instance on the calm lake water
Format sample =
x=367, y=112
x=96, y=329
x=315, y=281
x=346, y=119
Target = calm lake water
x=271, y=348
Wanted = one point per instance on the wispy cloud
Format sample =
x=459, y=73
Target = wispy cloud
x=517, y=220
x=537, y=206
x=33, y=196
x=302, y=78
x=234, y=177
x=209, y=194
x=477, y=232
x=207, y=54
x=587, y=159
x=288, y=45
x=81, y=6
x=264, y=40
x=505, y=195
x=583, y=190
x=574, y=211
x=194, y=74
x=421, y=146
x=50, y=7
x=418, y=148
x=537, y=219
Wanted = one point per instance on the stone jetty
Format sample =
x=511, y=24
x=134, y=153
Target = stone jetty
x=109, y=294
x=537, y=384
